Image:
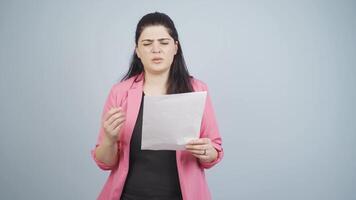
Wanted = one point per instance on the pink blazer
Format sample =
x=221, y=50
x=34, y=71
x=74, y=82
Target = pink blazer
x=127, y=94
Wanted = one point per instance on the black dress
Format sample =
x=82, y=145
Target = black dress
x=152, y=174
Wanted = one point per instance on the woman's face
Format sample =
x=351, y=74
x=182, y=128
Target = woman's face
x=156, y=49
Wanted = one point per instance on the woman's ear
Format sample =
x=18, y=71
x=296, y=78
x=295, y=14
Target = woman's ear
x=176, y=47
x=137, y=52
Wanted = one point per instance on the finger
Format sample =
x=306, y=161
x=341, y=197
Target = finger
x=197, y=152
x=201, y=157
x=111, y=112
x=115, y=117
x=197, y=147
x=117, y=129
x=114, y=128
x=108, y=123
x=117, y=122
x=200, y=141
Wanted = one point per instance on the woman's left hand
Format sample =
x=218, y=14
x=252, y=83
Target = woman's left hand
x=202, y=149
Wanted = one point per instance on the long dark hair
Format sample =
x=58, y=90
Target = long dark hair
x=179, y=78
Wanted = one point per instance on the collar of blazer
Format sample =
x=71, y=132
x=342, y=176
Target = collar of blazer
x=137, y=81
x=133, y=105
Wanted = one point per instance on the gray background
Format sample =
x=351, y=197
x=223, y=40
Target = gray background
x=281, y=75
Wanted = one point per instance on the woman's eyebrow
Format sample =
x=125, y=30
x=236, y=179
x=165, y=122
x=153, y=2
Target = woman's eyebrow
x=161, y=39
x=150, y=40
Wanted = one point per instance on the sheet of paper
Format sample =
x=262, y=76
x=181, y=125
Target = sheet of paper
x=170, y=121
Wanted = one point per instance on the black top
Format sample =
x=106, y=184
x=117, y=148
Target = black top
x=152, y=174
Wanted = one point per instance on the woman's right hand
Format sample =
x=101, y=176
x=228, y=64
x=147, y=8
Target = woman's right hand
x=112, y=124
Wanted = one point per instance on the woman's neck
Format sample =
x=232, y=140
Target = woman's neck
x=155, y=84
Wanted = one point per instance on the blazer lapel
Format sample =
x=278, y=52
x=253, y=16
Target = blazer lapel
x=133, y=106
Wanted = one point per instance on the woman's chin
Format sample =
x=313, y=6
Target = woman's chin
x=157, y=69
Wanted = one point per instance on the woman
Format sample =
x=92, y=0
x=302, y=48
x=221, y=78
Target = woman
x=157, y=68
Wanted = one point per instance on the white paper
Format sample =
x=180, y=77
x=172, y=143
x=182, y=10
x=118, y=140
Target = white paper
x=171, y=121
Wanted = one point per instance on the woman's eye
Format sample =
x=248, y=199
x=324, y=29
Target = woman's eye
x=164, y=43
x=146, y=44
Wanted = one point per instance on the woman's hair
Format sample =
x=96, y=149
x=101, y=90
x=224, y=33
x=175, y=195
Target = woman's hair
x=179, y=78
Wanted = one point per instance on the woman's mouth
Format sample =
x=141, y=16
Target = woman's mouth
x=157, y=60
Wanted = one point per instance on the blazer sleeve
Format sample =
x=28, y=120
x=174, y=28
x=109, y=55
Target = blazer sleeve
x=110, y=102
x=209, y=129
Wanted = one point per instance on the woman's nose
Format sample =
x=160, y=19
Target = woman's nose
x=156, y=48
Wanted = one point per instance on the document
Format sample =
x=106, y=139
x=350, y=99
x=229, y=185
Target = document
x=171, y=121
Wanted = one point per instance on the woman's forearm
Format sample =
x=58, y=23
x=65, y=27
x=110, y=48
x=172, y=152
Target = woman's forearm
x=107, y=152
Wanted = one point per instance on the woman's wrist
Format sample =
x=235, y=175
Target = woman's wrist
x=109, y=142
